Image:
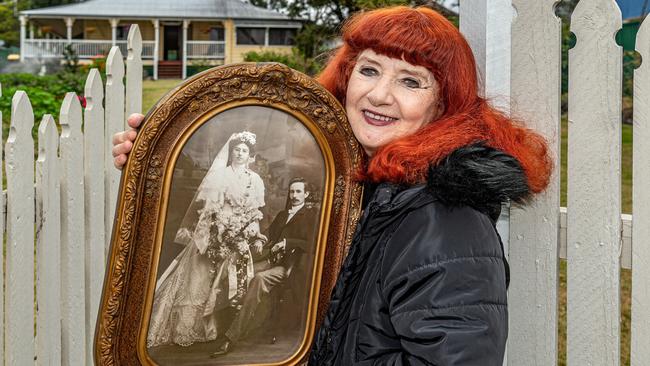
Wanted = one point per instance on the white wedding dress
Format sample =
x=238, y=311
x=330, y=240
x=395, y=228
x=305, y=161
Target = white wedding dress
x=214, y=269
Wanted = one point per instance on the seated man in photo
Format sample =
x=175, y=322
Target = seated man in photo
x=291, y=237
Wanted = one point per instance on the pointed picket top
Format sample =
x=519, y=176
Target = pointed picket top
x=93, y=90
x=48, y=249
x=22, y=117
x=19, y=164
x=70, y=117
x=114, y=65
x=640, y=337
x=134, y=73
x=73, y=341
x=46, y=131
x=134, y=42
x=589, y=15
x=94, y=200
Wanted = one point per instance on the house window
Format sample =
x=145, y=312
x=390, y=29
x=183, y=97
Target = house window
x=281, y=36
x=217, y=34
x=253, y=36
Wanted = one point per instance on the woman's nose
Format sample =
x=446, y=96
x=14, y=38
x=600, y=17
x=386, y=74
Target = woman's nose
x=381, y=93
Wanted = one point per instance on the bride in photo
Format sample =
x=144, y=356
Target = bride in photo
x=213, y=270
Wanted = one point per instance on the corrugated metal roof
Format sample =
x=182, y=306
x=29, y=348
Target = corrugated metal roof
x=163, y=9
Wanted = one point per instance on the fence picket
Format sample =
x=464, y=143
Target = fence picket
x=19, y=166
x=594, y=186
x=133, y=73
x=640, y=351
x=114, y=102
x=534, y=230
x=48, y=246
x=94, y=201
x=72, y=234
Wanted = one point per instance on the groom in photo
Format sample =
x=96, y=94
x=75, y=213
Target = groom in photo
x=291, y=236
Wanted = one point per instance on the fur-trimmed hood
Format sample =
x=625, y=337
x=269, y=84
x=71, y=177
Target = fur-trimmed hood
x=480, y=177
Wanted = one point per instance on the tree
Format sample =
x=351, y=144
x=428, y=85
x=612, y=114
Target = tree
x=323, y=19
x=9, y=26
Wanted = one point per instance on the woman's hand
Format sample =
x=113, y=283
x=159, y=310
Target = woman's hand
x=123, y=141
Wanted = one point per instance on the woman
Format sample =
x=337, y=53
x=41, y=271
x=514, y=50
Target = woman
x=424, y=282
x=214, y=269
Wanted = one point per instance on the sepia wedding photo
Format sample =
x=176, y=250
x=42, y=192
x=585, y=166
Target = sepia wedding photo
x=238, y=250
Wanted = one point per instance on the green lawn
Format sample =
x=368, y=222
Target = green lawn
x=154, y=90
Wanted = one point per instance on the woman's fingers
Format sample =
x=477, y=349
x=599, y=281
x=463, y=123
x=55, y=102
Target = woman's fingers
x=135, y=120
x=122, y=145
x=123, y=141
x=119, y=161
x=123, y=148
x=123, y=136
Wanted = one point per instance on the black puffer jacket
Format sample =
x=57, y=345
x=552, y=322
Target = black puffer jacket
x=425, y=279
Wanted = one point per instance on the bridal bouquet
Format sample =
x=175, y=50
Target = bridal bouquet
x=232, y=231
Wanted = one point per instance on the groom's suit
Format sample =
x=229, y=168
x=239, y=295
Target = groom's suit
x=299, y=233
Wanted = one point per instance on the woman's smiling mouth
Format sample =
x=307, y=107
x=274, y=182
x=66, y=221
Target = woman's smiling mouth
x=377, y=119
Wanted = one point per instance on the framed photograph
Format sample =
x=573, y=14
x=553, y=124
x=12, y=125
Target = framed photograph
x=235, y=211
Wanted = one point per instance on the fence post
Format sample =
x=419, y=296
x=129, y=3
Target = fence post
x=19, y=167
x=594, y=186
x=94, y=201
x=114, y=123
x=72, y=234
x=486, y=26
x=641, y=196
x=48, y=245
x=534, y=231
x=133, y=73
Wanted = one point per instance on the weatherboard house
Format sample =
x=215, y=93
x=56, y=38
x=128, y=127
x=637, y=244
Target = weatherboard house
x=177, y=35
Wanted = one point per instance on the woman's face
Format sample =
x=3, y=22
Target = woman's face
x=240, y=154
x=389, y=98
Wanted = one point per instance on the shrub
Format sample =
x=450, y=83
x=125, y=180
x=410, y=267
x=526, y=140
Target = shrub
x=45, y=93
x=295, y=60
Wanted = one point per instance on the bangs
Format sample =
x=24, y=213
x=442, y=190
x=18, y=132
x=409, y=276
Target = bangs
x=403, y=33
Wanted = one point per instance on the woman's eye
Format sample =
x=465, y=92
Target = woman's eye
x=368, y=71
x=411, y=83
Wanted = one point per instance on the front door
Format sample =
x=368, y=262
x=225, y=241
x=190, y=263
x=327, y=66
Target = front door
x=172, y=48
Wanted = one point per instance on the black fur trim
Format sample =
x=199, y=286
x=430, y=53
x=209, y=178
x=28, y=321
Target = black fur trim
x=480, y=177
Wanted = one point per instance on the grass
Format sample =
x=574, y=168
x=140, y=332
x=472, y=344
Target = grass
x=154, y=90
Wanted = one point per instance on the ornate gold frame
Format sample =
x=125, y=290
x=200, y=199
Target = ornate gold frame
x=122, y=322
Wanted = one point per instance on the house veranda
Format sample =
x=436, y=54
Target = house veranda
x=177, y=35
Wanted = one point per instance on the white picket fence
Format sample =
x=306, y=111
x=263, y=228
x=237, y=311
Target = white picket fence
x=517, y=46
x=519, y=59
x=67, y=209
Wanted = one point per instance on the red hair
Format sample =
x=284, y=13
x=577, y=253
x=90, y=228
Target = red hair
x=422, y=37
